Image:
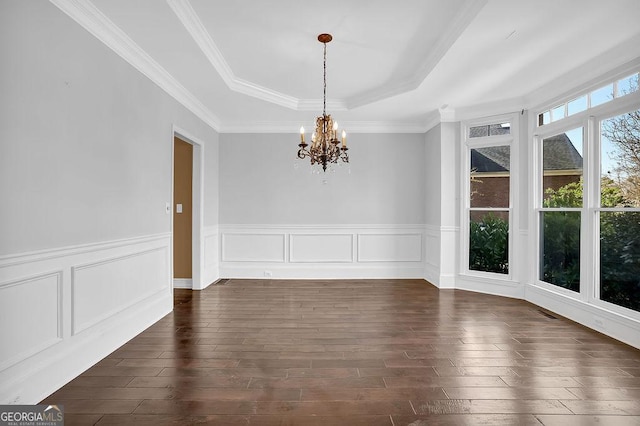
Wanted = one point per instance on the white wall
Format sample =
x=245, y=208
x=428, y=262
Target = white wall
x=85, y=172
x=366, y=219
x=211, y=177
x=263, y=182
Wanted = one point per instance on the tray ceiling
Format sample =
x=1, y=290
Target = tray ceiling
x=250, y=65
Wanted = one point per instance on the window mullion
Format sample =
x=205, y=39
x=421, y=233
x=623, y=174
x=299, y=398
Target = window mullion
x=591, y=191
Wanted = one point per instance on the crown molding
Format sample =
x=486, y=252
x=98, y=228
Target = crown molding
x=490, y=109
x=462, y=20
x=433, y=119
x=194, y=26
x=447, y=114
x=350, y=126
x=578, y=81
x=87, y=15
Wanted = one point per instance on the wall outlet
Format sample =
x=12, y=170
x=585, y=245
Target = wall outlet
x=267, y=274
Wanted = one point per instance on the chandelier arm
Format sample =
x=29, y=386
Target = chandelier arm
x=302, y=153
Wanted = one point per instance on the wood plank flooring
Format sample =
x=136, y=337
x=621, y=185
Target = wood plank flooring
x=357, y=352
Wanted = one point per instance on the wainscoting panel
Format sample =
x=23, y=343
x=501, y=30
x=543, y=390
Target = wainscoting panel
x=211, y=254
x=322, y=251
x=321, y=248
x=432, y=258
x=432, y=254
x=35, y=323
x=253, y=247
x=390, y=248
x=64, y=309
x=101, y=289
x=448, y=262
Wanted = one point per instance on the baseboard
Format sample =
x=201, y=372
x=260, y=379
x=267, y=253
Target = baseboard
x=612, y=324
x=493, y=286
x=183, y=283
x=211, y=257
x=432, y=274
x=321, y=271
x=446, y=281
x=212, y=275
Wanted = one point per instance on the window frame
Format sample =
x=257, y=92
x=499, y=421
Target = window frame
x=591, y=120
x=588, y=94
x=537, y=174
x=469, y=143
x=625, y=105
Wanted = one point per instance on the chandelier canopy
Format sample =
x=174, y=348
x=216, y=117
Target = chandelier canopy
x=325, y=147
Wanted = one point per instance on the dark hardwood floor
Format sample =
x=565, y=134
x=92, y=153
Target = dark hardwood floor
x=361, y=352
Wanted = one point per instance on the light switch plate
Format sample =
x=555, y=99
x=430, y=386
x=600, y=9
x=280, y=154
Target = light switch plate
x=178, y=208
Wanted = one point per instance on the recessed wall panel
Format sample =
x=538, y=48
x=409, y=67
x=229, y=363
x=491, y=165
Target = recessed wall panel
x=30, y=317
x=102, y=289
x=433, y=249
x=389, y=248
x=321, y=248
x=211, y=249
x=253, y=247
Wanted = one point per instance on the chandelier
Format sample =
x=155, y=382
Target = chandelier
x=325, y=147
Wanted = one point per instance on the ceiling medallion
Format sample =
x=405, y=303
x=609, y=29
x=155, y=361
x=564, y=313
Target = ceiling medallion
x=325, y=147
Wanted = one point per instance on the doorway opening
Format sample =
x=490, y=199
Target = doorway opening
x=182, y=213
x=187, y=215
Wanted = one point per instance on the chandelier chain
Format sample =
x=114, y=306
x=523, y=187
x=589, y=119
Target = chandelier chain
x=324, y=100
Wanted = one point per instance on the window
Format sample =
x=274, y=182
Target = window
x=561, y=210
x=627, y=85
x=619, y=210
x=577, y=105
x=592, y=99
x=490, y=130
x=488, y=207
x=601, y=95
x=558, y=113
x=587, y=197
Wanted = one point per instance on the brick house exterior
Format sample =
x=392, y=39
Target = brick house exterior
x=490, y=170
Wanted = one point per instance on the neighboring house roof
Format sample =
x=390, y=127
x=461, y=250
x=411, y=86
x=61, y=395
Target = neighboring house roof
x=489, y=130
x=491, y=159
x=560, y=154
x=558, y=151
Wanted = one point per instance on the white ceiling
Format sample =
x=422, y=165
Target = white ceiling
x=255, y=65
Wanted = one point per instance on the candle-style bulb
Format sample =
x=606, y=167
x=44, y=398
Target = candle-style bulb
x=344, y=139
x=301, y=134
